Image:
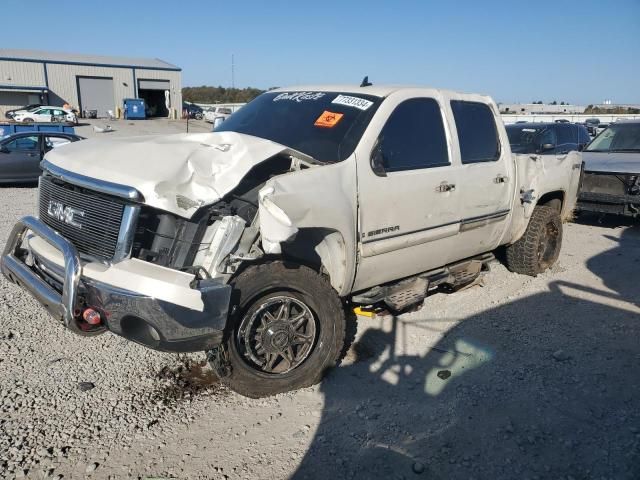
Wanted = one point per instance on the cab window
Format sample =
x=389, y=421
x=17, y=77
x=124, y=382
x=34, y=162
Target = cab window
x=414, y=137
x=51, y=142
x=477, y=132
x=22, y=144
x=566, y=137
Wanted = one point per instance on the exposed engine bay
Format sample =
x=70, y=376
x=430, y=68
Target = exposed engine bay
x=218, y=237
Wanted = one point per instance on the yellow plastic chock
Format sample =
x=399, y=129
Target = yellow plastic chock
x=364, y=313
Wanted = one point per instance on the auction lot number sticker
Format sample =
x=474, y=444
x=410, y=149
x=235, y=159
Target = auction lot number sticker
x=357, y=102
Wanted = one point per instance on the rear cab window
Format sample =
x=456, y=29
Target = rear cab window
x=567, y=137
x=53, y=141
x=477, y=132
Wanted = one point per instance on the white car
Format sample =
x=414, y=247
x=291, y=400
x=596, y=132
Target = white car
x=217, y=112
x=45, y=114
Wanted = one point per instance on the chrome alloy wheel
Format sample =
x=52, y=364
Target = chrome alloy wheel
x=278, y=336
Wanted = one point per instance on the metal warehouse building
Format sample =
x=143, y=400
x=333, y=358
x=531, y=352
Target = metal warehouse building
x=87, y=82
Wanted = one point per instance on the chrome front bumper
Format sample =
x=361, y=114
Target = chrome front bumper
x=146, y=320
x=60, y=306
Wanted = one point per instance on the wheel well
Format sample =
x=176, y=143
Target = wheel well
x=553, y=199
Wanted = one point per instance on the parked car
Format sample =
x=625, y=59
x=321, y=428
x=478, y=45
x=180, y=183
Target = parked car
x=547, y=138
x=213, y=113
x=10, y=113
x=21, y=154
x=45, y=114
x=611, y=180
x=592, y=125
x=251, y=242
x=192, y=110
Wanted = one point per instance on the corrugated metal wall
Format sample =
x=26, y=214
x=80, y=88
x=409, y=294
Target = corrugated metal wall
x=21, y=73
x=63, y=82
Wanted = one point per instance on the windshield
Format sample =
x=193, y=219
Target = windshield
x=619, y=137
x=526, y=138
x=324, y=125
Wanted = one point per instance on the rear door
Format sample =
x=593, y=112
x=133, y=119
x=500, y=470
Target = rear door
x=409, y=207
x=20, y=158
x=486, y=180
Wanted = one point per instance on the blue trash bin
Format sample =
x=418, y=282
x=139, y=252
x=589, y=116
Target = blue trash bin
x=134, y=109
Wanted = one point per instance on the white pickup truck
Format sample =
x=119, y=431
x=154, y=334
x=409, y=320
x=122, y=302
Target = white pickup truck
x=255, y=242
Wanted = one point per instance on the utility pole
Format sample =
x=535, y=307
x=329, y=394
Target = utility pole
x=233, y=73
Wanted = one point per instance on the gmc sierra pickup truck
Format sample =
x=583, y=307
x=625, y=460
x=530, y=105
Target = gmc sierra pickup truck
x=254, y=242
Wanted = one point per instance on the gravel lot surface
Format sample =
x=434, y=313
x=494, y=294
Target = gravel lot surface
x=519, y=378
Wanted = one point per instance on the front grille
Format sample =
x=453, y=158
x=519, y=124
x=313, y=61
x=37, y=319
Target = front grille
x=97, y=233
x=608, y=183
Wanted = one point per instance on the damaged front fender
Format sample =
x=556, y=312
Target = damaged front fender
x=311, y=215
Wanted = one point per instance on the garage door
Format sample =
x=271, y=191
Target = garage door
x=153, y=84
x=96, y=94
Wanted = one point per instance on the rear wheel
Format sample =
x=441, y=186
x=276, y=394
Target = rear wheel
x=287, y=330
x=539, y=247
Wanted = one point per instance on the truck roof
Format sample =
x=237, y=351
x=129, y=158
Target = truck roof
x=375, y=90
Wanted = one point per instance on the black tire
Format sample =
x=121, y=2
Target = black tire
x=539, y=247
x=255, y=289
x=27, y=120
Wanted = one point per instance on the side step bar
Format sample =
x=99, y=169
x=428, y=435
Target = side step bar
x=409, y=291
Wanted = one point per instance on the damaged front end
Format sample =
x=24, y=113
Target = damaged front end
x=101, y=258
x=610, y=193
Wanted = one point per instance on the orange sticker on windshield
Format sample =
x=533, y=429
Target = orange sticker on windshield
x=328, y=119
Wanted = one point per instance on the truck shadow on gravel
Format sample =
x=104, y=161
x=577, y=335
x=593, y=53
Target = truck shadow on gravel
x=547, y=386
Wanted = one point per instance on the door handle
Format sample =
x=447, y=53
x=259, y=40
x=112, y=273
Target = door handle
x=500, y=179
x=445, y=187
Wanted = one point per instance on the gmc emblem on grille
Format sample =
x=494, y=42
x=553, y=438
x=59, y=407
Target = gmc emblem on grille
x=67, y=215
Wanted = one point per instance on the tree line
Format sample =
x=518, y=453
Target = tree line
x=594, y=109
x=219, y=94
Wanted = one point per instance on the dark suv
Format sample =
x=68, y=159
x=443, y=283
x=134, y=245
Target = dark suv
x=192, y=110
x=547, y=138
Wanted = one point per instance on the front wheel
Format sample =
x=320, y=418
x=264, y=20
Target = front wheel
x=287, y=330
x=538, y=249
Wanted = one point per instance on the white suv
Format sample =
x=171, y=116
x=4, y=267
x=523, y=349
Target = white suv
x=217, y=112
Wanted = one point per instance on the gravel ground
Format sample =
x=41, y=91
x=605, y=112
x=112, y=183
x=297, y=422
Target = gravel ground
x=519, y=378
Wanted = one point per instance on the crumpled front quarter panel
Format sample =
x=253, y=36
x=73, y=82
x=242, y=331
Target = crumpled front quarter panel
x=324, y=198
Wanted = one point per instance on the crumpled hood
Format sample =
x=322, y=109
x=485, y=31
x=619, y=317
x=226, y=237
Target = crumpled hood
x=614, y=162
x=178, y=173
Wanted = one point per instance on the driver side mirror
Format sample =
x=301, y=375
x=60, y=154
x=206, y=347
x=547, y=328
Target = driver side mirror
x=377, y=160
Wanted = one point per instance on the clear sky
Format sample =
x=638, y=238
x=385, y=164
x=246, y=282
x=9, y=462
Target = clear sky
x=580, y=51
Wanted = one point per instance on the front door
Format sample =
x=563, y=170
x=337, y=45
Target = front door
x=20, y=159
x=408, y=200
